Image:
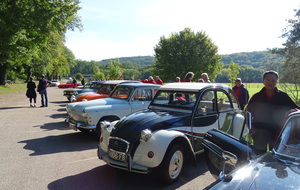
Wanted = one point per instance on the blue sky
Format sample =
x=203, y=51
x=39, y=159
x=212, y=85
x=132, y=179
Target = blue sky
x=124, y=28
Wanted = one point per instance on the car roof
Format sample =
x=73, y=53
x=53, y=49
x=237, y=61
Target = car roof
x=192, y=86
x=135, y=85
x=120, y=81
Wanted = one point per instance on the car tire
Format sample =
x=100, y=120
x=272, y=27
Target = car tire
x=172, y=164
x=214, y=163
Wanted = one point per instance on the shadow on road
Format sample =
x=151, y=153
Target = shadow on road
x=108, y=178
x=62, y=143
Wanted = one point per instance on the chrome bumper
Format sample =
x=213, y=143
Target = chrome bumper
x=74, y=125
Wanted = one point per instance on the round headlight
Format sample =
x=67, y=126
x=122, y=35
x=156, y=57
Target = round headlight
x=146, y=135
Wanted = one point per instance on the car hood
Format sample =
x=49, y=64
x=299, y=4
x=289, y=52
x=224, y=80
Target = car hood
x=264, y=173
x=79, y=106
x=130, y=127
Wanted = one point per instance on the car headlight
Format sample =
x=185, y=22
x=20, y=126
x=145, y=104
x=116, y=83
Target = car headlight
x=85, y=115
x=146, y=135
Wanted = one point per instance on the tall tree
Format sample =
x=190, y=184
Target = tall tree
x=183, y=52
x=25, y=27
x=234, y=70
x=291, y=51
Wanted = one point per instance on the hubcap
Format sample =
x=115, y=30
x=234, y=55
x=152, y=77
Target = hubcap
x=176, y=164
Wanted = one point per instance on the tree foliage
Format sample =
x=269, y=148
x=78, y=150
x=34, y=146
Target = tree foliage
x=183, y=52
x=291, y=52
x=234, y=70
x=26, y=27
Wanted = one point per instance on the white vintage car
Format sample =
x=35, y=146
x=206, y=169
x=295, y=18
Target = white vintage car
x=125, y=99
x=163, y=137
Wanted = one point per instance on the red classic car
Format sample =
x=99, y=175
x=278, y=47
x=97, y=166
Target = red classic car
x=69, y=84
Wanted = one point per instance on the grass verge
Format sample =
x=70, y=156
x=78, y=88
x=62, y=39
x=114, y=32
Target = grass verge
x=15, y=87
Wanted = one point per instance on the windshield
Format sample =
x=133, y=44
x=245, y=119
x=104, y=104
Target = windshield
x=289, y=140
x=175, y=99
x=121, y=92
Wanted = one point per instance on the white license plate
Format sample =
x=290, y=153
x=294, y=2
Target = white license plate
x=72, y=126
x=117, y=155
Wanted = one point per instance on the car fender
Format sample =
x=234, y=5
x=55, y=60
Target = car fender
x=158, y=144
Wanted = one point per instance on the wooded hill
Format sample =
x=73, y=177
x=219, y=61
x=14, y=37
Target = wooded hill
x=257, y=59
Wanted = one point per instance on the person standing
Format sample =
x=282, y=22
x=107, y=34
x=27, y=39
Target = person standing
x=83, y=82
x=188, y=77
x=268, y=107
x=241, y=93
x=30, y=93
x=74, y=83
x=158, y=80
x=42, y=89
x=177, y=79
x=205, y=78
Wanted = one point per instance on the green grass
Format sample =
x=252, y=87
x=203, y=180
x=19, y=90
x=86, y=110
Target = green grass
x=10, y=88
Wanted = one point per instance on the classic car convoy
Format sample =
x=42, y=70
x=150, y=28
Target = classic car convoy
x=126, y=98
x=91, y=87
x=162, y=137
x=278, y=169
x=147, y=128
x=102, y=92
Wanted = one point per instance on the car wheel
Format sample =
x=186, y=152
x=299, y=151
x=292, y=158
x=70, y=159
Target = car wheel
x=214, y=163
x=172, y=164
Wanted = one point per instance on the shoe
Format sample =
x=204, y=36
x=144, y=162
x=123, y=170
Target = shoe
x=31, y=105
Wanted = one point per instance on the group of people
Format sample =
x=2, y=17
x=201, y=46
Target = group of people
x=190, y=75
x=268, y=108
x=41, y=89
x=152, y=81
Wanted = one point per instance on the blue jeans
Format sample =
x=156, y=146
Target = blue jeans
x=44, y=97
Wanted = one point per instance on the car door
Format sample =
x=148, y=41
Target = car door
x=140, y=99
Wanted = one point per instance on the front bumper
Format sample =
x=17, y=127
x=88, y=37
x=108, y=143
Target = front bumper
x=75, y=125
x=128, y=166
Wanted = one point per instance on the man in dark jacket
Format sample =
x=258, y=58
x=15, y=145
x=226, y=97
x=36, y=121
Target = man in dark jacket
x=42, y=89
x=241, y=93
x=269, y=108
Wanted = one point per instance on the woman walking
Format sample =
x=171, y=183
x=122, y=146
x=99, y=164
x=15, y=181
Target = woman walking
x=30, y=93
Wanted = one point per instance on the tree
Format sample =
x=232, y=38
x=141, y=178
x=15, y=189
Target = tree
x=183, y=52
x=113, y=70
x=25, y=27
x=291, y=51
x=234, y=70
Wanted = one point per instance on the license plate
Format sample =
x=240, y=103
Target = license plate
x=72, y=126
x=117, y=155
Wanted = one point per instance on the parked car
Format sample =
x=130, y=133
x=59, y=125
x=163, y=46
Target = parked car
x=89, y=87
x=276, y=169
x=69, y=84
x=54, y=83
x=125, y=99
x=103, y=91
x=163, y=137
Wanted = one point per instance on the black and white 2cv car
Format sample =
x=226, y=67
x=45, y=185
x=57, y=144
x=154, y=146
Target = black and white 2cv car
x=162, y=137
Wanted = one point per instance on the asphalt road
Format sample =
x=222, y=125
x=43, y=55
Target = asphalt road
x=39, y=151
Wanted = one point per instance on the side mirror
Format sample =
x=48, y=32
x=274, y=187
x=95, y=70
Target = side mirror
x=230, y=160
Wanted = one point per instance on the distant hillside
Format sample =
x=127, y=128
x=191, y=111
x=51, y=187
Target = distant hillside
x=257, y=59
x=141, y=60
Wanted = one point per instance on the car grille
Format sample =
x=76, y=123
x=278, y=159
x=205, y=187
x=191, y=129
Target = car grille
x=118, y=144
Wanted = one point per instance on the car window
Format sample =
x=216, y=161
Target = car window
x=223, y=101
x=207, y=103
x=175, y=99
x=290, y=138
x=121, y=92
x=142, y=95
